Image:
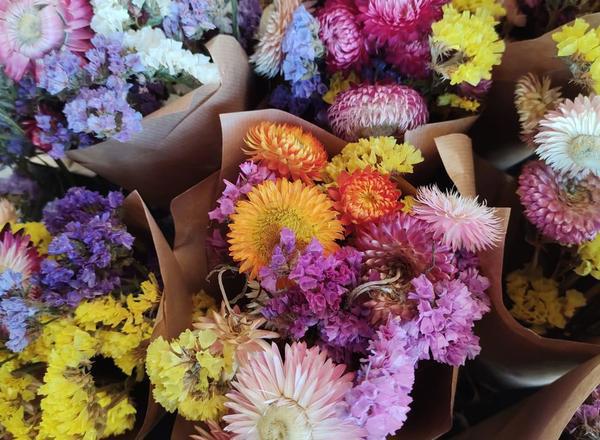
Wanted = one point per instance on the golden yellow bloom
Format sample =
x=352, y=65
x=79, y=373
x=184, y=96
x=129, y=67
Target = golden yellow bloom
x=382, y=153
x=287, y=149
x=465, y=45
x=589, y=253
x=494, y=7
x=536, y=301
x=453, y=100
x=338, y=84
x=257, y=222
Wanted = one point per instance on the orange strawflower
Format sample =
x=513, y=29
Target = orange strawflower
x=287, y=149
x=364, y=196
x=257, y=222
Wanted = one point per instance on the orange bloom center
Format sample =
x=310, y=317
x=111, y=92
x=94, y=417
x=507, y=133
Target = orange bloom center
x=366, y=195
x=287, y=149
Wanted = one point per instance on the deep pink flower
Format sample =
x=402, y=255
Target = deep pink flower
x=342, y=35
x=563, y=209
x=18, y=254
x=31, y=28
x=377, y=110
x=411, y=58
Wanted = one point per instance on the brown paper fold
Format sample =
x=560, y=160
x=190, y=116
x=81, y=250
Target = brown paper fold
x=496, y=133
x=177, y=145
x=544, y=415
x=173, y=312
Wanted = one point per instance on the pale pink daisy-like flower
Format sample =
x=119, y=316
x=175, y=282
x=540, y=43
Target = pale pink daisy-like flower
x=215, y=432
x=17, y=253
x=8, y=212
x=341, y=34
x=569, y=138
x=268, y=55
x=377, y=110
x=301, y=397
x=31, y=28
x=563, y=209
x=459, y=222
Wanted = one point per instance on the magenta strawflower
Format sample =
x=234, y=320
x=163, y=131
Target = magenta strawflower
x=377, y=110
x=563, y=209
x=459, y=222
x=412, y=58
x=342, y=36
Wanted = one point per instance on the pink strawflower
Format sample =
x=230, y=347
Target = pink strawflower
x=563, y=209
x=301, y=397
x=394, y=22
x=18, y=254
x=342, y=36
x=402, y=243
x=31, y=28
x=377, y=110
x=381, y=399
x=215, y=432
x=459, y=222
x=412, y=58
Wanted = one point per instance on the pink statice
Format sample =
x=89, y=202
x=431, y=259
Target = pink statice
x=564, y=209
x=342, y=35
x=250, y=175
x=585, y=423
x=447, y=311
x=380, y=400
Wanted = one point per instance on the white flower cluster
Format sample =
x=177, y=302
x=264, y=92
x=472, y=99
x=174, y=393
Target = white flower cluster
x=156, y=51
x=163, y=7
x=110, y=16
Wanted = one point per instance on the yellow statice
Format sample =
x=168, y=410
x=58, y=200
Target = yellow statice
x=17, y=392
x=589, y=254
x=201, y=303
x=495, y=8
x=338, y=84
x=118, y=411
x=37, y=232
x=580, y=45
x=537, y=301
x=465, y=45
x=190, y=372
x=453, y=100
x=407, y=204
x=381, y=153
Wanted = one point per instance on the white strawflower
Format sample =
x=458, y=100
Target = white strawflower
x=110, y=16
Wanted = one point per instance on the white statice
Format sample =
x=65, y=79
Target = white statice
x=156, y=52
x=162, y=7
x=219, y=12
x=110, y=16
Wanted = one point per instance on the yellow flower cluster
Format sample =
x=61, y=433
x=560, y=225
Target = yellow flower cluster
x=537, y=302
x=383, y=154
x=494, y=7
x=189, y=374
x=453, y=100
x=38, y=234
x=465, y=45
x=338, y=84
x=581, y=46
x=17, y=392
x=589, y=253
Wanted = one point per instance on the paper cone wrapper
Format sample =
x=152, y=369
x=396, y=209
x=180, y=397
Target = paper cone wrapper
x=173, y=312
x=178, y=144
x=496, y=133
x=544, y=415
x=431, y=413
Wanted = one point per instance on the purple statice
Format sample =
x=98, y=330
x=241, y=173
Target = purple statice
x=16, y=312
x=477, y=92
x=54, y=137
x=147, y=96
x=81, y=205
x=26, y=96
x=305, y=88
x=585, y=423
x=250, y=175
x=104, y=112
x=88, y=260
x=301, y=49
x=314, y=294
x=108, y=57
x=446, y=313
x=249, y=13
x=18, y=186
x=59, y=71
x=189, y=19
x=217, y=248
x=380, y=399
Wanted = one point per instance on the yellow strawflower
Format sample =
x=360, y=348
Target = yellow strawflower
x=382, y=153
x=453, y=100
x=465, y=45
x=537, y=302
x=589, y=253
x=494, y=7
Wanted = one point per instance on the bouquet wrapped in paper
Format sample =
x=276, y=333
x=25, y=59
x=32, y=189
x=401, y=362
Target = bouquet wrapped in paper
x=342, y=299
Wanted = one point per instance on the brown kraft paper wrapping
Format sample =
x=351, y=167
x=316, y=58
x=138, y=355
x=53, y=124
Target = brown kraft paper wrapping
x=178, y=145
x=435, y=382
x=544, y=415
x=496, y=132
x=173, y=312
